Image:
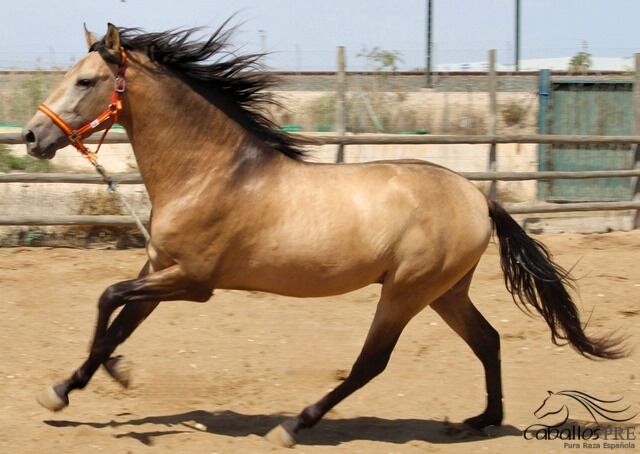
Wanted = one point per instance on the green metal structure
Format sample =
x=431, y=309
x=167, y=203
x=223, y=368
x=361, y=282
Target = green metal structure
x=585, y=107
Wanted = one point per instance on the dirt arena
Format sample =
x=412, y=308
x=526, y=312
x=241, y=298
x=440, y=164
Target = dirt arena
x=215, y=377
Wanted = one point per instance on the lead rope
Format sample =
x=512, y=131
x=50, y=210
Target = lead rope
x=112, y=187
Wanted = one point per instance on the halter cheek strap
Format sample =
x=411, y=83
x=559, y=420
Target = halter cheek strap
x=110, y=113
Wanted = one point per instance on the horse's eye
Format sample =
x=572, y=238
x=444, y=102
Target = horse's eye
x=85, y=82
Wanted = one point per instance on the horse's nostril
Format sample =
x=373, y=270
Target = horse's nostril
x=29, y=136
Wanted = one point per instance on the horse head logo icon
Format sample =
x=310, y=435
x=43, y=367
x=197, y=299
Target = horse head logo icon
x=559, y=403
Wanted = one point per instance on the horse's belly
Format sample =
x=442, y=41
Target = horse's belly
x=304, y=278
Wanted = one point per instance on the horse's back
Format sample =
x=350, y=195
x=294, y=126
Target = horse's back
x=415, y=190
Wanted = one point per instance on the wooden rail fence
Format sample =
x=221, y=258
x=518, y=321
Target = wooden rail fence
x=364, y=139
x=14, y=138
x=342, y=139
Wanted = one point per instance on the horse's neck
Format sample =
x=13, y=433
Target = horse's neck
x=178, y=138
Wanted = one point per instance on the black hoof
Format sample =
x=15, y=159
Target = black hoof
x=486, y=419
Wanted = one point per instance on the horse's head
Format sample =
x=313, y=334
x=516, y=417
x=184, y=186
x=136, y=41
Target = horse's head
x=84, y=92
x=550, y=406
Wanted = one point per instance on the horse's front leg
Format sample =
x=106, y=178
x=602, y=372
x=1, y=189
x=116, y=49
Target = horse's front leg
x=164, y=285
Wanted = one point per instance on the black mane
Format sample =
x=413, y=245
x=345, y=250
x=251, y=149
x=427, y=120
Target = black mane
x=234, y=83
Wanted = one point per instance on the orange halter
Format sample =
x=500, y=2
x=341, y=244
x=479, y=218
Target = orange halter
x=110, y=113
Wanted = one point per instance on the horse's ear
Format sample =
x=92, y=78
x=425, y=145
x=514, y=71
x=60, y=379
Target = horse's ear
x=550, y=392
x=90, y=37
x=112, y=38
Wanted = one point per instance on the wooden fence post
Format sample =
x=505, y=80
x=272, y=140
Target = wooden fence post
x=635, y=185
x=492, y=193
x=341, y=117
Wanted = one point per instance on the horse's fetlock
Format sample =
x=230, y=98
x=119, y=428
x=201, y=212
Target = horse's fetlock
x=309, y=417
x=79, y=380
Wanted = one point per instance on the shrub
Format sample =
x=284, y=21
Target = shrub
x=103, y=203
x=513, y=113
x=9, y=162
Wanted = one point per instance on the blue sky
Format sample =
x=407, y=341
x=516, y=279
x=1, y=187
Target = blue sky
x=303, y=34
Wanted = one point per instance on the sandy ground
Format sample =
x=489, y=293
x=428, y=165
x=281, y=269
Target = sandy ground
x=215, y=377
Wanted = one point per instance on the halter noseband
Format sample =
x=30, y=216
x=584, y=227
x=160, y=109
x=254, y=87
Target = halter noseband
x=110, y=113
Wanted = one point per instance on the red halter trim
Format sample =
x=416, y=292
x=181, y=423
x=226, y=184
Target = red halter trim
x=110, y=113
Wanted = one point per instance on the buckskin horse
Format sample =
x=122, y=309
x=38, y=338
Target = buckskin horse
x=235, y=206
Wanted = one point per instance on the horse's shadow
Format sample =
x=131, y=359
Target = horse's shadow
x=327, y=432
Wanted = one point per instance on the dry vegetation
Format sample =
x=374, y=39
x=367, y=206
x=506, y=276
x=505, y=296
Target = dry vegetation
x=103, y=203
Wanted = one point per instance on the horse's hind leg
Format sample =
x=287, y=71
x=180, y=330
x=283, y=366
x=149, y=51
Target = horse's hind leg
x=388, y=323
x=131, y=316
x=457, y=310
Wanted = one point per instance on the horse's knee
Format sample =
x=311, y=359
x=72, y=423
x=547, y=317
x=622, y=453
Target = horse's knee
x=109, y=299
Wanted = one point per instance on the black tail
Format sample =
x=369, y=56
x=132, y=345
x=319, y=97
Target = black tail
x=534, y=280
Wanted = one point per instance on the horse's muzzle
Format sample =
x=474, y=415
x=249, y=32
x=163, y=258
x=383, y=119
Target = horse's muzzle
x=34, y=148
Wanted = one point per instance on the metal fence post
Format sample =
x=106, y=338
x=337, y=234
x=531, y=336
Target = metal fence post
x=635, y=181
x=544, y=93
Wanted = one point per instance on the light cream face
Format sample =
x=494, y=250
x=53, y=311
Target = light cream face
x=84, y=92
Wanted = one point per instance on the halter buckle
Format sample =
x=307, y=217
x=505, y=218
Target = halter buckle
x=121, y=84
